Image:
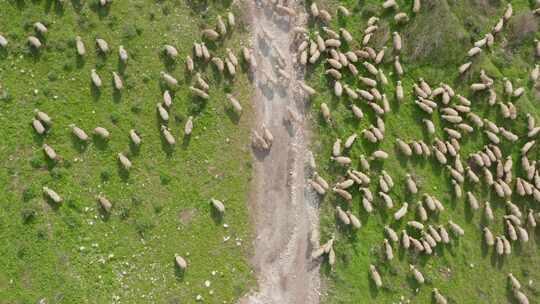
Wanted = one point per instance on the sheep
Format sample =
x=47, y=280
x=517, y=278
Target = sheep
x=96, y=80
x=375, y=276
x=40, y=28
x=348, y=38
x=511, y=230
x=498, y=26
x=163, y=114
x=38, y=126
x=474, y=51
x=317, y=187
x=355, y=222
x=199, y=93
x=135, y=138
x=321, y=181
x=531, y=221
x=188, y=128
x=345, y=184
x=380, y=55
x=343, y=193
x=102, y=45
x=363, y=177
x=218, y=205
x=388, y=252
x=169, y=138
x=391, y=234
x=49, y=151
x=118, y=83
x=401, y=18
x=507, y=246
x=367, y=205
x=405, y=240
x=350, y=140
x=102, y=132
x=203, y=85
x=122, y=54
x=325, y=16
x=411, y=184
x=518, y=92
x=52, y=195
x=171, y=51
x=508, y=12
x=520, y=297
x=368, y=81
x=169, y=80
x=383, y=185
x=418, y=246
x=401, y=212
x=124, y=161
x=421, y=211
x=231, y=68
x=78, y=132
x=338, y=89
x=522, y=234
x=527, y=147
x=197, y=49
x=379, y=154
x=439, y=299
x=3, y=41
x=439, y=156
x=104, y=203
x=535, y=73
x=180, y=262
x=456, y=228
x=473, y=202
x=342, y=216
x=397, y=66
x=403, y=147
x=210, y=34
x=416, y=225
x=79, y=44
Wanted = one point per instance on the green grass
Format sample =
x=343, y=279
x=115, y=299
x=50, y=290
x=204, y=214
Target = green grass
x=436, y=41
x=73, y=254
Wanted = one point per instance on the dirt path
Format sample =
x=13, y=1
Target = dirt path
x=284, y=211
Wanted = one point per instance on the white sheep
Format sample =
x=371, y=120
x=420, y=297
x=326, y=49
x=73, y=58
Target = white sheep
x=135, y=138
x=79, y=44
x=439, y=298
x=52, y=195
x=38, y=126
x=180, y=262
x=118, y=83
x=401, y=212
x=104, y=203
x=102, y=132
x=355, y=222
x=171, y=51
x=124, y=161
x=375, y=276
x=188, y=127
x=218, y=205
x=81, y=135
x=49, y=151
x=168, y=136
x=342, y=216
x=456, y=228
x=3, y=41
x=122, y=54
x=163, y=114
x=34, y=42
x=210, y=34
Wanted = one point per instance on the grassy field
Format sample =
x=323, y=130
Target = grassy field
x=73, y=253
x=435, y=44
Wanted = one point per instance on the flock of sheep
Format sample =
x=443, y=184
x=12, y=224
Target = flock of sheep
x=42, y=122
x=488, y=165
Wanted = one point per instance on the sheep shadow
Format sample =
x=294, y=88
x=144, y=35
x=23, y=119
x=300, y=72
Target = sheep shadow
x=122, y=172
x=95, y=92
x=185, y=141
x=134, y=149
x=57, y=5
x=233, y=115
x=77, y=144
x=55, y=206
x=99, y=142
x=179, y=273
x=217, y=216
